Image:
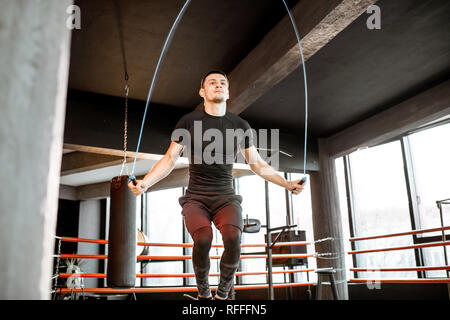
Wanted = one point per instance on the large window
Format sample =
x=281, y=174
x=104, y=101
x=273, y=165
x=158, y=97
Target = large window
x=430, y=154
x=393, y=188
x=430, y=157
x=302, y=217
x=252, y=190
x=380, y=206
x=164, y=224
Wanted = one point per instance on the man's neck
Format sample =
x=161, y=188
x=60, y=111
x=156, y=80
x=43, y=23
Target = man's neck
x=215, y=109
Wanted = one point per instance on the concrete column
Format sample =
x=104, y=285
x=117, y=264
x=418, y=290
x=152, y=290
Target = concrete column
x=89, y=227
x=327, y=221
x=34, y=63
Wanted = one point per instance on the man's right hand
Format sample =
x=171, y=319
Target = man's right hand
x=139, y=188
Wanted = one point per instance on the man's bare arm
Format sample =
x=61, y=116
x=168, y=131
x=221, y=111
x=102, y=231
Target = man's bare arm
x=159, y=171
x=265, y=171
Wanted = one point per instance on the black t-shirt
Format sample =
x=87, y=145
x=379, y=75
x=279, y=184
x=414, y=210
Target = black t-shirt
x=211, y=145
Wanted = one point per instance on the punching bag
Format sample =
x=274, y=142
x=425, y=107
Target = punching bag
x=121, y=272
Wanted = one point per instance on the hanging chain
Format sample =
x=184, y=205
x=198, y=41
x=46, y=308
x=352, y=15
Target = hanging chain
x=56, y=275
x=127, y=88
x=125, y=127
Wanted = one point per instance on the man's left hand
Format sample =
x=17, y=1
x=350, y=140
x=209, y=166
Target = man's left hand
x=295, y=187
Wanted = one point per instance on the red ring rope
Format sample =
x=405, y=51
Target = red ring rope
x=444, y=280
x=183, y=245
x=426, y=245
x=177, y=275
x=174, y=289
x=400, y=234
x=400, y=269
x=104, y=256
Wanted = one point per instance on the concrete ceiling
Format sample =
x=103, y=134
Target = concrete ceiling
x=362, y=72
x=211, y=34
x=359, y=73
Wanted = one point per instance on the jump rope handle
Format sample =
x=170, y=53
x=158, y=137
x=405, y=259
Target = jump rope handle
x=302, y=181
x=133, y=178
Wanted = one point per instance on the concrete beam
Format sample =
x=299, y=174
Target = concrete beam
x=76, y=162
x=277, y=55
x=398, y=120
x=108, y=152
x=176, y=179
x=68, y=192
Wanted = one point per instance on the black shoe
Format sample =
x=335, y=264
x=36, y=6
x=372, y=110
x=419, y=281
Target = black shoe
x=219, y=297
x=198, y=297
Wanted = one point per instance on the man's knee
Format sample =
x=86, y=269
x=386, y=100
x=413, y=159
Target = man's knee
x=203, y=238
x=231, y=237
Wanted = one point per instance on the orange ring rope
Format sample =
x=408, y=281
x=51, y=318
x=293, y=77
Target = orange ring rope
x=174, y=289
x=183, y=245
x=426, y=245
x=83, y=256
x=72, y=239
x=443, y=280
x=83, y=275
x=104, y=256
x=249, y=245
x=400, y=269
x=400, y=234
x=177, y=275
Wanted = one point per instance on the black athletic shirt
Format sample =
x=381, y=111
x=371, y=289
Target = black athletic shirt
x=212, y=175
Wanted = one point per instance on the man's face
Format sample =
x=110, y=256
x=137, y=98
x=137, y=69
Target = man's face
x=215, y=88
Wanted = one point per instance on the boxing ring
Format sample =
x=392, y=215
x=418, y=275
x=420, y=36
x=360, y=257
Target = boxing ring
x=151, y=258
x=179, y=289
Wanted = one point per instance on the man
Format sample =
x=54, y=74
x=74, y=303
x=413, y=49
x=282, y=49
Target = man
x=210, y=195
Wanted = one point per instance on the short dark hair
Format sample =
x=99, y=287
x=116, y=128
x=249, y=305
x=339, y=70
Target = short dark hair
x=212, y=72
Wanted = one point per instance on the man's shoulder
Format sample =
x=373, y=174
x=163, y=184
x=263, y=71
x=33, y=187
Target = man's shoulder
x=237, y=120
x=193, y=115
x=188, y=119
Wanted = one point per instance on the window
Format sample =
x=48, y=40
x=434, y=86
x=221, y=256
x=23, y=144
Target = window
x=278, y=218
x=431, y=158
x=380, y=206
x=252, y=189
x=343, y=203
x=164, y=225
x=381, y=202
x=435, y=257
x=302, y=214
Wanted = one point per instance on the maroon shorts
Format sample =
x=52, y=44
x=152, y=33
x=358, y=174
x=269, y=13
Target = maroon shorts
x=199, y=211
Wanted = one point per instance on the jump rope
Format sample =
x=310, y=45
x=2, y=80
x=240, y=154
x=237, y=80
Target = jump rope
x=163, y=54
